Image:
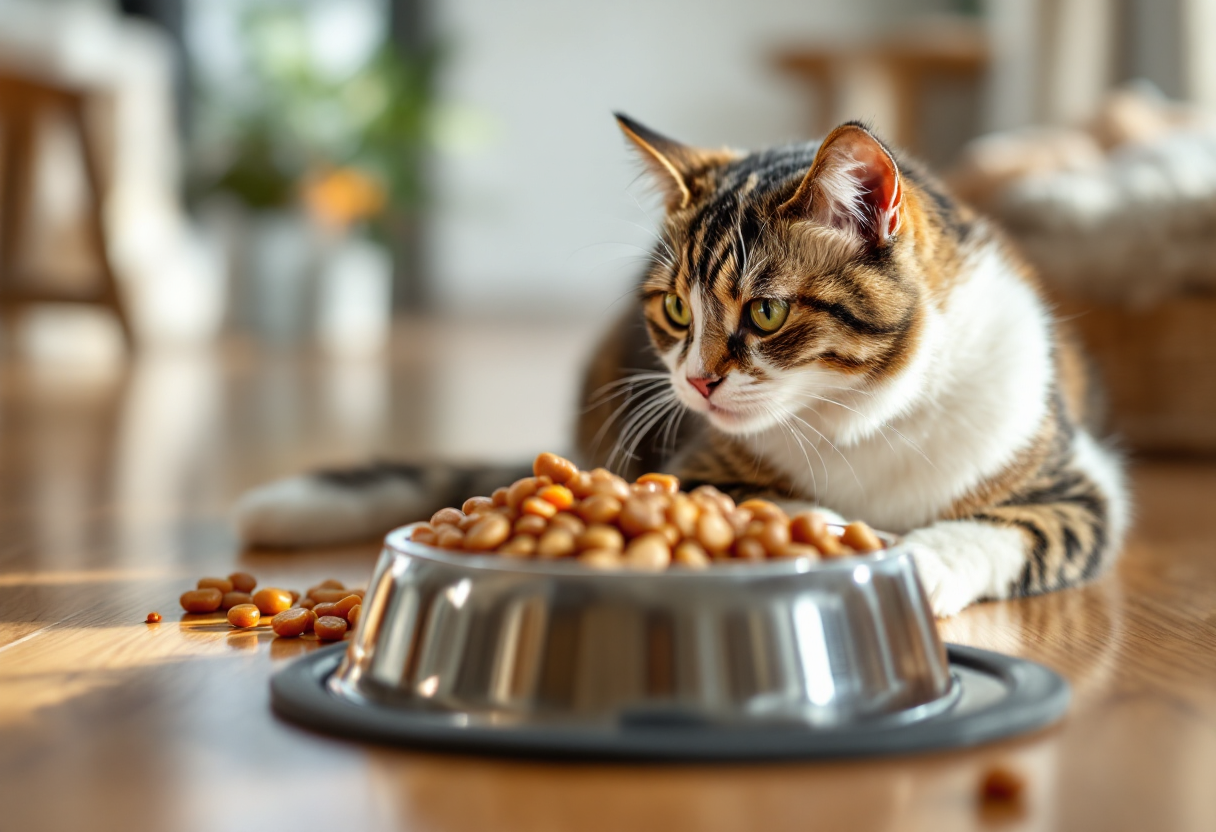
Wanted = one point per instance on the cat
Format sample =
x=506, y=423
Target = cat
x=843, y=334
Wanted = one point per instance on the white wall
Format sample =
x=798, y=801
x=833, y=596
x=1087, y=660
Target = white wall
x=537, y=208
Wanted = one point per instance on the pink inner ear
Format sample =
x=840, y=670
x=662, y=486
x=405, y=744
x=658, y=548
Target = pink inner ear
x=878, y=176
x=872, y=208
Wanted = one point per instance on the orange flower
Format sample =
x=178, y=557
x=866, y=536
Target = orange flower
x=341, y=196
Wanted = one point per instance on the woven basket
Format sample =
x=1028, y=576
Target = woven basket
x=1158, y=366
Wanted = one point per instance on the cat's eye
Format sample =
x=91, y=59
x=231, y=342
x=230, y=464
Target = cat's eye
x=768, y=314
x=677, y=309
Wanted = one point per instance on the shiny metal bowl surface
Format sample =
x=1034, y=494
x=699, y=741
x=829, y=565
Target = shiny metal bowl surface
x=511, y=642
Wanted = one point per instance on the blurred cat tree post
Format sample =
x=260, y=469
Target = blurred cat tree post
x=1055, y=60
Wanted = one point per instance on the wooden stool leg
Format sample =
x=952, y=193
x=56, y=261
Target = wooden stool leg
x=16, y=201
x=110, y=295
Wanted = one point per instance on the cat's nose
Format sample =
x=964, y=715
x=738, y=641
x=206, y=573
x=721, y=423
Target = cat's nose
x=705, y=384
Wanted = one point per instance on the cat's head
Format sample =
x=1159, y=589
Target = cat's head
x=782, y=277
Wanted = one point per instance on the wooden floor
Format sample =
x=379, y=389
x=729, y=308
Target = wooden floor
x=115, y=479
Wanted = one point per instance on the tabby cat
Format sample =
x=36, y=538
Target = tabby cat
x=844, y=334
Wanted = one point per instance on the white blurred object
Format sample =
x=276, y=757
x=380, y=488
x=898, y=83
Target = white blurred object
x=354, y=297
x=172, y=283
x=1120, y=210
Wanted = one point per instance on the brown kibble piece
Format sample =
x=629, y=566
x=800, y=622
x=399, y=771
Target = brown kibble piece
x=568, y=521
x=650, y=552
x=427, y=536
x=555, y=543
x=606, y=559
x=708, y=495
x=861, y=537
x=749, y=548
x=641, y=514
x=271, y=600
x=449, y=537
x=667, y=483
x=222, y=584
x=521, y=490
x=330, y=628
x=539, y=507
x=558, y=496
x=808, y=527
x=499, y=497
x=739, y=520
x=343, y=607
x=799, y=550
x=689, y=553
x=202, y=600
x=331, y=583
x=327, y=608
x=234, y=598
x=600, y=536
x=714, y=533
x=243, y=616
x=1001, y=785
x=671, y=533
x=353, y=616
x=599, y=508
x=307, y=603
x=522, y=545
x=488, y=533
x=153, y=618
x=774, y=535
x=243, y=581
x=423, y=533
x=444, y=517
x=556, y=468
x=580, y=485
x=291, y=623
x=473, y=505
x=683, y=514
x=604, y=481
x=531, y=524
x=764, y=510
x=320, y=594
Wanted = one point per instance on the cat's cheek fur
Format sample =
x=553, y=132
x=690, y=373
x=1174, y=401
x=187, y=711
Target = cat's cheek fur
x=962, y=561
x=309, y=511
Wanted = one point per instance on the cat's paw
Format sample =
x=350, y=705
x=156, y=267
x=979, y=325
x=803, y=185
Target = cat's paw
x=312, y=511
x=962, y=561
x=948, y=593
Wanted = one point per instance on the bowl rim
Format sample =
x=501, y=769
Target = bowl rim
x=399, y=543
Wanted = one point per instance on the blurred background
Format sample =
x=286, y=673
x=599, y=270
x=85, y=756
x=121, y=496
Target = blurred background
x=428, y=207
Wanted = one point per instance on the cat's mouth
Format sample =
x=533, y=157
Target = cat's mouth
x=737, y=418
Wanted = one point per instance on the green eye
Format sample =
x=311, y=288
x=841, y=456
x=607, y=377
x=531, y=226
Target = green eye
x=768, y=314
x=677, y=309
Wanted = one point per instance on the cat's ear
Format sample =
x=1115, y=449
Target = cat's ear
x=673, y=165
x=853, y=184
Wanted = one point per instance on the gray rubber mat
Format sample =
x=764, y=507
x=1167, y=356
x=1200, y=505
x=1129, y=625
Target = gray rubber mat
x=995, y=696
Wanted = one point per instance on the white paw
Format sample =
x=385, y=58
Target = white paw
x=307, y=511
x=948, y=593
x=962, y=561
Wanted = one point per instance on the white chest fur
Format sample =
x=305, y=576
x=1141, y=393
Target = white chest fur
x=974, y=395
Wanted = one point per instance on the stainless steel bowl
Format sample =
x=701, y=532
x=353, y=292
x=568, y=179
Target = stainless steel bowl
x=505, y=642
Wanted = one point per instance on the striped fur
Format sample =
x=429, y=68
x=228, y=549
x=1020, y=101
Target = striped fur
x=919, y=381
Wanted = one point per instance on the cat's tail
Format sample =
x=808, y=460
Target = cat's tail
x=343, y=506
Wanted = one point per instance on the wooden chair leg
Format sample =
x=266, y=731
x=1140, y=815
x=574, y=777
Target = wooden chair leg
x=110, y=295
